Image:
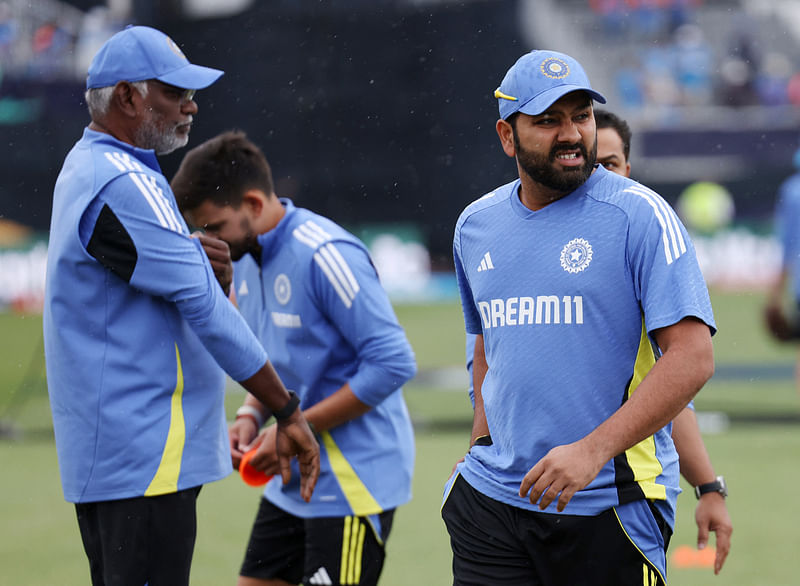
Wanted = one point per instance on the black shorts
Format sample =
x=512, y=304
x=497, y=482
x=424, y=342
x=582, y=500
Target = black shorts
x=140, y=540
x=497, y=544
x=325, y=550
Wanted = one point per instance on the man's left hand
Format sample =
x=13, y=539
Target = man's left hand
x=711, y=514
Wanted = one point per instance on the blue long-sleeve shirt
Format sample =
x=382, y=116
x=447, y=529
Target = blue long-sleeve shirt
x=135, y=326
x=316, y=303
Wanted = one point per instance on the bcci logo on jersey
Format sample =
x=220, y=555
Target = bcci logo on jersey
x=576, y=255
x=283, y=289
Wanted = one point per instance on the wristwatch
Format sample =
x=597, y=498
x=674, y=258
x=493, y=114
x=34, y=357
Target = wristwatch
x=717, y=486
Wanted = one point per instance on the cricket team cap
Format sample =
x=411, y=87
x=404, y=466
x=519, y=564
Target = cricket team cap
x=137, y=53
x=539, y=79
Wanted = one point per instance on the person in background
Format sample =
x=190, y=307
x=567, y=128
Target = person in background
x=613, y=152
x=136, y=328
x=780, y=323
x=309, y=291
x=587, y=345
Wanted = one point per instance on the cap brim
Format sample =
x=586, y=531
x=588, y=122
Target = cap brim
x=191, y=77
x=547, y=98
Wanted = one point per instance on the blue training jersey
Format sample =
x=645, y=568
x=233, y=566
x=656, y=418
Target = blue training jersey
x=565, y=298
x=316, y=303
x=134, y=326
x=787, y=229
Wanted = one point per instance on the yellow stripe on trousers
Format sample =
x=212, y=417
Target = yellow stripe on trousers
x=353, y=535
x=165, y=480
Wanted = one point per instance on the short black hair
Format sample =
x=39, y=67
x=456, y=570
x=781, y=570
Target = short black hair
x=606, y=119
x=221, y=170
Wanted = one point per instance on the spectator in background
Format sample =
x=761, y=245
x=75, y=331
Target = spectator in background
x=630, y=84
x=612, y=14
x=661, y=89
x=98, y=25
x=772, y=80
x=736, y=86
x=739, y=64
x=693, y=64
x=52, y=46
x=793, y=89
x=9, y=31
x=136, y=328
x=780, y=322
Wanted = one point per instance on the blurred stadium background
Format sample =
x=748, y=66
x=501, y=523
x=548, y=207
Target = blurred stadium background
x=379, y=114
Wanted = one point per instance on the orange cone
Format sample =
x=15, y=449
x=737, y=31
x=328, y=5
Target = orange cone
x=685, y=556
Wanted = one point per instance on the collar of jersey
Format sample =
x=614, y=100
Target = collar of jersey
x=271, y=241
x=146, y=156
x=528, y=214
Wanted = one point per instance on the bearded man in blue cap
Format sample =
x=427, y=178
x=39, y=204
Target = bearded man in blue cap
x=137, y=330
x=592, y=327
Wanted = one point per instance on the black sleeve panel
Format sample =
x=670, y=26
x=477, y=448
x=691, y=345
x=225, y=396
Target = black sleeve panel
x=112, y=246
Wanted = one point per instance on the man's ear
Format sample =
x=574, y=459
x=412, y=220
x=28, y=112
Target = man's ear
x=254, y=200
x=127, y=99
x=506, y=134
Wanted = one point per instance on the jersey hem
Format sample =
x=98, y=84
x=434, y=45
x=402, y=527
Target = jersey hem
x=115, y=495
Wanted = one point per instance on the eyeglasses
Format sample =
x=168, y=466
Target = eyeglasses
x=185, y=96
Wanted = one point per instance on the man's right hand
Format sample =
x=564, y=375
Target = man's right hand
x=776, y=322
x=295, y=438
x=241, y=434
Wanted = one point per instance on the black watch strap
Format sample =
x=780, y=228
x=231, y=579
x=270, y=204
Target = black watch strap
x=717, y=486
x=286, y=411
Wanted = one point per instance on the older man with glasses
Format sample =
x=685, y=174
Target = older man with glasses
x=137, y=328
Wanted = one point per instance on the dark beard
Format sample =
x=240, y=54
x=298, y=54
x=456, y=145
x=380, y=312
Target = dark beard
x=249, y=243
x=542, y=169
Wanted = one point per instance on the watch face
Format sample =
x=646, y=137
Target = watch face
x=723, y=488
x=717, y=486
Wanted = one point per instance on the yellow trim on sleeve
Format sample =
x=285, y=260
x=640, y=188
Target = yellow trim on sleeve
x=358, y=496
x=642, y=457
x=165, y=480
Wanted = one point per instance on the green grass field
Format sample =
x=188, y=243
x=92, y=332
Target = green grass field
x=40, y=544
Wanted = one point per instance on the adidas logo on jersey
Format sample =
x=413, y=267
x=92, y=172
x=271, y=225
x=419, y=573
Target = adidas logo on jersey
x=243, y=290
x=486, y=263
x=321, y=577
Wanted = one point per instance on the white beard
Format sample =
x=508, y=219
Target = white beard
x=150, y=135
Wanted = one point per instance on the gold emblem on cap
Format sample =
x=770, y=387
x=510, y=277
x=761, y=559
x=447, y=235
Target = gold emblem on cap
x=499, y=94
x=555, y=68
x=175, y=48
